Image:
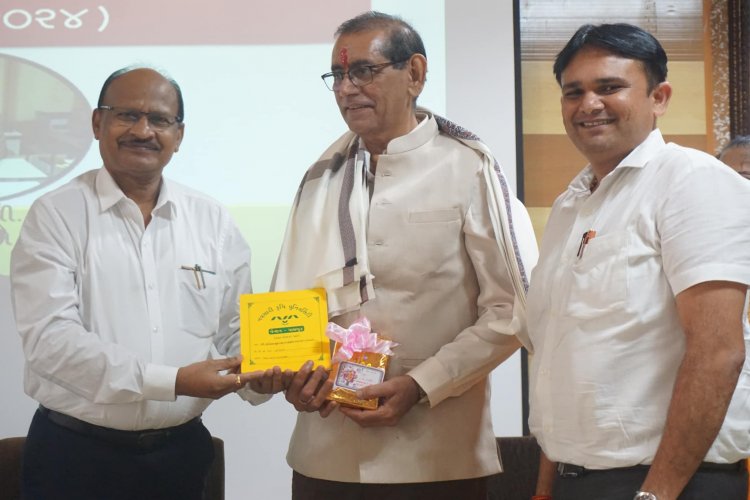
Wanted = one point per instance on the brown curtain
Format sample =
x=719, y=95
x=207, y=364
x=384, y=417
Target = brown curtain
x=738, y=13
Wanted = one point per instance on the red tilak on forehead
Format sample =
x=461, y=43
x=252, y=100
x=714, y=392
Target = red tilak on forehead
x=344, y=57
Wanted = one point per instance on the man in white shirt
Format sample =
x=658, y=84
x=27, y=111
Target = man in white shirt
x=635, y=310
x=407, y=220
x=125, y=293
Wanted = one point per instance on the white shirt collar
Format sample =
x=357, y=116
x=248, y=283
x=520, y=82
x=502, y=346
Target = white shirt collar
x=635, y=159
x=110, y=194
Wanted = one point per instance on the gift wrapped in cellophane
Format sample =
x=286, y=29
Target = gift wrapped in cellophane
x=360, y=358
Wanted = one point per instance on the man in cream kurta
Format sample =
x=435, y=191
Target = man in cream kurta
x=406, y=220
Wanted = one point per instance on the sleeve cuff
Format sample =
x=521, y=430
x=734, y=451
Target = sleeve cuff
x=159, y=382
x=423, y=398
x=252, y=397
x=721, y=271
x=433, y=379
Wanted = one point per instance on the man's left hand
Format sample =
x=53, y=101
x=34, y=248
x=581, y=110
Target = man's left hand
x=270, y=381
x=397, y=395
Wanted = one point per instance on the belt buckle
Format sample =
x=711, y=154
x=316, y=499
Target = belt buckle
x=569, y=470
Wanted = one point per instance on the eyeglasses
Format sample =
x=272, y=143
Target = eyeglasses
x=358, y=75
x=128, y=117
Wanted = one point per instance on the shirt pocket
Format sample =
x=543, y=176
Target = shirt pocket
x=432, y=240
x=198, y=303
x=598, y=278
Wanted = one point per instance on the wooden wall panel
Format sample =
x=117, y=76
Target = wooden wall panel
x=550, y=163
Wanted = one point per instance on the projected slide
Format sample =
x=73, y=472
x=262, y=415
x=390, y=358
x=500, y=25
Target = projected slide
x=46, y=127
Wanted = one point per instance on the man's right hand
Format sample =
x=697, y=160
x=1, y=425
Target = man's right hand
x=308, y=390
x=203, y=380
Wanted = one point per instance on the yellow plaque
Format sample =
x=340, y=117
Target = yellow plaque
x=284, y=329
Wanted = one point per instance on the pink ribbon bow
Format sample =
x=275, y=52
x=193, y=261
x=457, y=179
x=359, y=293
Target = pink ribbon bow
x=357, y=338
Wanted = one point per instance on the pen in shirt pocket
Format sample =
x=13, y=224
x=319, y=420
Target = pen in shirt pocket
x=198, y=271
x=587, y=236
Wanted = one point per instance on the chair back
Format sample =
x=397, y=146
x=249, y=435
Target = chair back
x=520, y=459
x=11, y=453
x=11, y=450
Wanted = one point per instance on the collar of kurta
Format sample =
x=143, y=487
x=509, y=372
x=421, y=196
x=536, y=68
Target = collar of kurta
x=325, y=241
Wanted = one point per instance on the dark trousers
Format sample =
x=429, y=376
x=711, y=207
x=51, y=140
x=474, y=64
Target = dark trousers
x=308, y=488
x=621, y=484
x=61, y=464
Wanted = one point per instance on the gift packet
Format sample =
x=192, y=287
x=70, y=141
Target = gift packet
x=360, y=358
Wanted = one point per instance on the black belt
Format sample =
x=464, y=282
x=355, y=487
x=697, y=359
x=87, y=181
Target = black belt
x=570, y=470
x=139, y=440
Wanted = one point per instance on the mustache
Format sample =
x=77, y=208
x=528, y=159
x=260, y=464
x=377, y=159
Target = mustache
x=141, y=143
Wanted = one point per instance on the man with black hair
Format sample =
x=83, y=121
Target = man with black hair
x=736, y=154
x=125, y=293
x=640, y=386
x=408, y=220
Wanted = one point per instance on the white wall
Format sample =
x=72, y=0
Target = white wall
x=478, y=82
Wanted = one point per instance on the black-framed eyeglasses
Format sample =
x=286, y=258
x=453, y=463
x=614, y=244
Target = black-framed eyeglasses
x=128, y=117
x=358, y=75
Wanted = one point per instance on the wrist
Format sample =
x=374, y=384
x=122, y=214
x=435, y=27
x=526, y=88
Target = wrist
x=421, y=394
x=644, y=495
x=541, y=497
